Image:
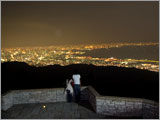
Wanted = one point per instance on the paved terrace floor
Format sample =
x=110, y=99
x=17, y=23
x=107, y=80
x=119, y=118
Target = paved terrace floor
x=59, y=110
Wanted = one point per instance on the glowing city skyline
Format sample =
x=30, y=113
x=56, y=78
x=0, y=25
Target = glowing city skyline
x=43, y=56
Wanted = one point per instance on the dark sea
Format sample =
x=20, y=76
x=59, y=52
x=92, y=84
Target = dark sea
x=127, y=52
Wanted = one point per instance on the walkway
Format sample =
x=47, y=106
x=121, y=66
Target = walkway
x=60, y=110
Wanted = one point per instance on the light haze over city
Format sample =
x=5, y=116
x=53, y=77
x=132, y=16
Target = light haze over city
x=29, y=23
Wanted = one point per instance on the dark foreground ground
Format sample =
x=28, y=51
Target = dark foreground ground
x=60, y=110
x=111, y=81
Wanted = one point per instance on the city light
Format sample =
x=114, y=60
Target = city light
x=65, y=55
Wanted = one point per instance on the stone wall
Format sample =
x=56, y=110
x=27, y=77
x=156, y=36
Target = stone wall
x=106, y=105
x=36, y=96
x=84, y=93
x=117, y=106
x=150, y=109
x=92, y=94
x=6, y=100
x=123, y=106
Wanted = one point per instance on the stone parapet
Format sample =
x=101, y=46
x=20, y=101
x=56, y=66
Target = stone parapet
x=7, y=100
x=92, y=94
x=36, y=96
x=150, y=109
x=123, y=106
x=106, y=105
x=119, y=106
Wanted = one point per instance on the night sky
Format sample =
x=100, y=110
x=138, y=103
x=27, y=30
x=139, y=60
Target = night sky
x=73, y=23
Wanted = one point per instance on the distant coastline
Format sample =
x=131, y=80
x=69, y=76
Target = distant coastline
x=137, y=55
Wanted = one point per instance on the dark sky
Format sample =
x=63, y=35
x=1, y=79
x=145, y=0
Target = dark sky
x=60, y=23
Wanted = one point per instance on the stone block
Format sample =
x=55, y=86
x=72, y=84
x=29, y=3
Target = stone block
x=99, y=108
x=35, y=96
x=129, y=103
x=107, y=101
x=119, y=110
x=111, y=105
x=146, y=107
x=109, y=109
x=51, y=95
x=52, y=100
x=60, y=92
x=120, y=107
x=138, y=105
x=129, y=109
x=119, y=102
x=99, y=103
x=7, y=101
x=61, y=98
x=100, y=100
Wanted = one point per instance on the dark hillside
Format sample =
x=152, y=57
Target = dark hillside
x=112, y=81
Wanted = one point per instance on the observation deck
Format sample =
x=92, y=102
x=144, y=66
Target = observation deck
x=52, y=104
